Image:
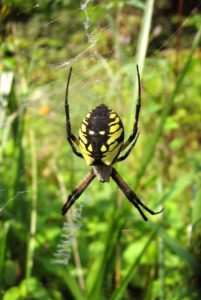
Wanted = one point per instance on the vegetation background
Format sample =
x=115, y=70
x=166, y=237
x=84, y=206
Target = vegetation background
x=102, y=249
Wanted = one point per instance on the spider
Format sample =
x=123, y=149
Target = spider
x=101, y=142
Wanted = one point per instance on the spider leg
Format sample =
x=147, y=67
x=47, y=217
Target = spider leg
x=78, y=191
x=74, y=139
x=129, y=149
x=131, y=196
x=137, y=113
x=69, y=135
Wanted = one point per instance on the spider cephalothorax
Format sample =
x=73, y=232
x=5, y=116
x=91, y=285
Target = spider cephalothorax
x=101, y=141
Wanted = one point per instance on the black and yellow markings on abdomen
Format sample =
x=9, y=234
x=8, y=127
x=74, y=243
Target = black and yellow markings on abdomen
x=85, y=147
x=114, y=139
x=101, y=136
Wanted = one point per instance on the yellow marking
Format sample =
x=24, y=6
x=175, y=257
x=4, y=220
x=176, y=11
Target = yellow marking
x=82, y=145
x=110, y=156
x=116, y=120
x=88, y=115
x=91, y=132
x=114, y=136
x=83, y=127
x=90, y=148
x=114, y=128
x=103, y=148
x=112, y=115
x=102, y=132
x=113, y=146
x=89, y=160
x=82, y=136
x=86, y=154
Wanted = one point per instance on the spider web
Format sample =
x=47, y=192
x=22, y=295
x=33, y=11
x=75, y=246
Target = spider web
x=46, y=101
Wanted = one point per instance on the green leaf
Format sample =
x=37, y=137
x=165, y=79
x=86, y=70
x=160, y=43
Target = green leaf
x=13, y=293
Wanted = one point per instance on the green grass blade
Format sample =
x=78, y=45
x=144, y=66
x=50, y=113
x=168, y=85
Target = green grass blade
x=65, y=277
x=119, y=292
x=196, y=213
x=32, y=233
x=161, y=268
x=142, y=46
x=110, y=246
x=71, y=282
x=3, y=237
x=195, y=244
x=168, y=106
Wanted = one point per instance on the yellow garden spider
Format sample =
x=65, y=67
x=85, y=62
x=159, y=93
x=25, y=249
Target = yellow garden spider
x=101, y=140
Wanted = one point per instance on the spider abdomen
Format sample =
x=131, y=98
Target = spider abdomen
x=101, y=136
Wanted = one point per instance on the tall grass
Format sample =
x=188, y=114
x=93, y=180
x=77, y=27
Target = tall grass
x=95, y=287
x=3, y=238
x=142, y=47
x=33, y=213
x=149, y=154
x=12, y=180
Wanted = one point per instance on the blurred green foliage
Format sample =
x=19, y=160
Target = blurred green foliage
x=111, y=252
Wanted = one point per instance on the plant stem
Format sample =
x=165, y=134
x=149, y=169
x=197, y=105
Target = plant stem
x=3, y=236
x=142, y=46
x=33, y=218
x=119, y=292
